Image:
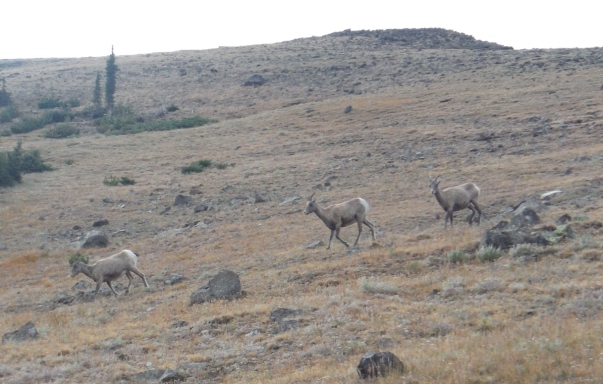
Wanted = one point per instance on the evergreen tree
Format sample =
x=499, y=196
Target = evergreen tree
x=98, y=93
x=4, y=95
x=110, y=82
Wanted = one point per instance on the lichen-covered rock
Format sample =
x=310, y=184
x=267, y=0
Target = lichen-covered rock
x=26, y=332
x=379, y=364
x=226, y=285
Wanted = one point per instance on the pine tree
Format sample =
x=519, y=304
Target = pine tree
x=98, y=93
x=110, y=82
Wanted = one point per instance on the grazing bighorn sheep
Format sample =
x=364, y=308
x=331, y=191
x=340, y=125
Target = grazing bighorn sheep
x=341, y=215
x=457, y=198
x=110, y=269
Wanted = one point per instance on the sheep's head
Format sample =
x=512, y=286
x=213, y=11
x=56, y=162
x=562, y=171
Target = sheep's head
x=77, y=268
x=311, y=205
x=433, y=184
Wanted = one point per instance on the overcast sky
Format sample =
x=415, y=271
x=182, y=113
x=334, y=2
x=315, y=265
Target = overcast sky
x=65, y=28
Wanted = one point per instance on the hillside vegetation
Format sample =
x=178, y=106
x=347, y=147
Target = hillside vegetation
x=516, y=123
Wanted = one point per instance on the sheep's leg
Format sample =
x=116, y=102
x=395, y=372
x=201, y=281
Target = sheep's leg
x=141, y=275
x=448, y=217
x=331, y=238
x=371, y=227
x=359, y=232
x=339, y=238
x=98, y=284
x=109, y=284
x=479, y=211
x=470, y=219
x=129, y=276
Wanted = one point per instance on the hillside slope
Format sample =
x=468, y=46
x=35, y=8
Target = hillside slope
x=517, y=123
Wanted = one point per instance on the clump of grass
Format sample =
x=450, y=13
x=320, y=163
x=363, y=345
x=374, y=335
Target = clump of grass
x=456, y=257
x=61, y=131
x=197, y=166
x=374, y=286
x=172, y=108
x=488, y=253
x=113, y=181
x=78, y=257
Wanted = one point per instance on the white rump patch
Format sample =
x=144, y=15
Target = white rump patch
x=478, y=190
x=366, y=205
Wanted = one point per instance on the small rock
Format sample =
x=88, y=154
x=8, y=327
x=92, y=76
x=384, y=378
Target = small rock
x=81, y=285
x=347, y=109
x=100, y=223
x=200, y=208
x=182, y=200
x=259, y=198
x=26, y=332
x=316, y=244
x=379, y=364
x=174, y=278
x=290, y=200
x=179, y=324
x=226, y=285
x=95, y=239
x=255, y=81
x=563, y=219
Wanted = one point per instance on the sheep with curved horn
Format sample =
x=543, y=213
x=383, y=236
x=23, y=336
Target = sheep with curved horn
x=341, y=215
x=457, y=198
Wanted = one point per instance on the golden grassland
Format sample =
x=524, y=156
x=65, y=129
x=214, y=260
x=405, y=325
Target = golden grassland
x=499, y=322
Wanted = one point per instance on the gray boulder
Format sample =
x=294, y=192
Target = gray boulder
x=95, y=239
x=255, y=81
x=379, y=364
x=26, y=332
x=182, y=200
x=226, y=285
x=157, y=375
x=174, y=278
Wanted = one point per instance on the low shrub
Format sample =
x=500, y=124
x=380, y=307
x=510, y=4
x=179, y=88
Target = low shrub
x=78, y=257
x=61, y=131
x=32, y=162
x=49, y=103
x=14, y=164
x=128, y=125
x=488, y=253
x=8, y=114
x=172, y=108
x=113, y=181
x=374, y=286
x=456, y=257
x=197, y=166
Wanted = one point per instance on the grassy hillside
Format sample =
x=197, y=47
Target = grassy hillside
x=517, y=123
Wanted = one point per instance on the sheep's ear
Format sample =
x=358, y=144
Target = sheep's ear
x=311, y=196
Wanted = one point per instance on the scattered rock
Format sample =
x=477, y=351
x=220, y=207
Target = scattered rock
x=347, y=109
x=201, y=208
x=26, y=332
x=174, y=278
x=64, y=298
x=100, y=223
x=255, y=81
x=182, y=200
x=290, y=200
x=81, y=285
x=532, y=202
x=157, y=375
x=526, y=218
x=316, y=244
x=329, y=180
x=563, y=219
x=165, y=210
x=259, y=198
x=226, y=285
x=379, y=364
x=548, y=195
x=179, y=324
x=280, y=314
x=95, y=239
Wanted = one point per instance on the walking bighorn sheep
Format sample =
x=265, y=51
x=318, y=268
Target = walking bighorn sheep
x=110, y=269
x=457, y=198
x=341, y=215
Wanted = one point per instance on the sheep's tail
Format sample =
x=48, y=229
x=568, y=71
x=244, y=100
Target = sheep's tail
x=478, y=190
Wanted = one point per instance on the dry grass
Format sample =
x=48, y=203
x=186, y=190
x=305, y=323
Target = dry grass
x=472, y=322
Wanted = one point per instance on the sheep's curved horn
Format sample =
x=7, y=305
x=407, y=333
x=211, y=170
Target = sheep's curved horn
x=437, y=177
x=311, y=196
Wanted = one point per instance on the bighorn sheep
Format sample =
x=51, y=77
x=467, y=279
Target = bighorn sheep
x=457, y=198
x=341, y=215
x=110, y=269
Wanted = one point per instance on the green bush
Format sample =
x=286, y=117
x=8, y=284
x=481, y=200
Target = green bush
x=113, y=181
x=456, y=257
x=78, y=257
x=488, y=253
x=5, y=99
x=61, y=131
x=58, y=116
x=127, y=125
x=14, y=164
x=49, y=103
x=72, y=103
x=32, y=162
x=28, y=124
x=197, y=166
x=8, y=114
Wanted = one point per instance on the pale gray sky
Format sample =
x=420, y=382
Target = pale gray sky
x=79, y=28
